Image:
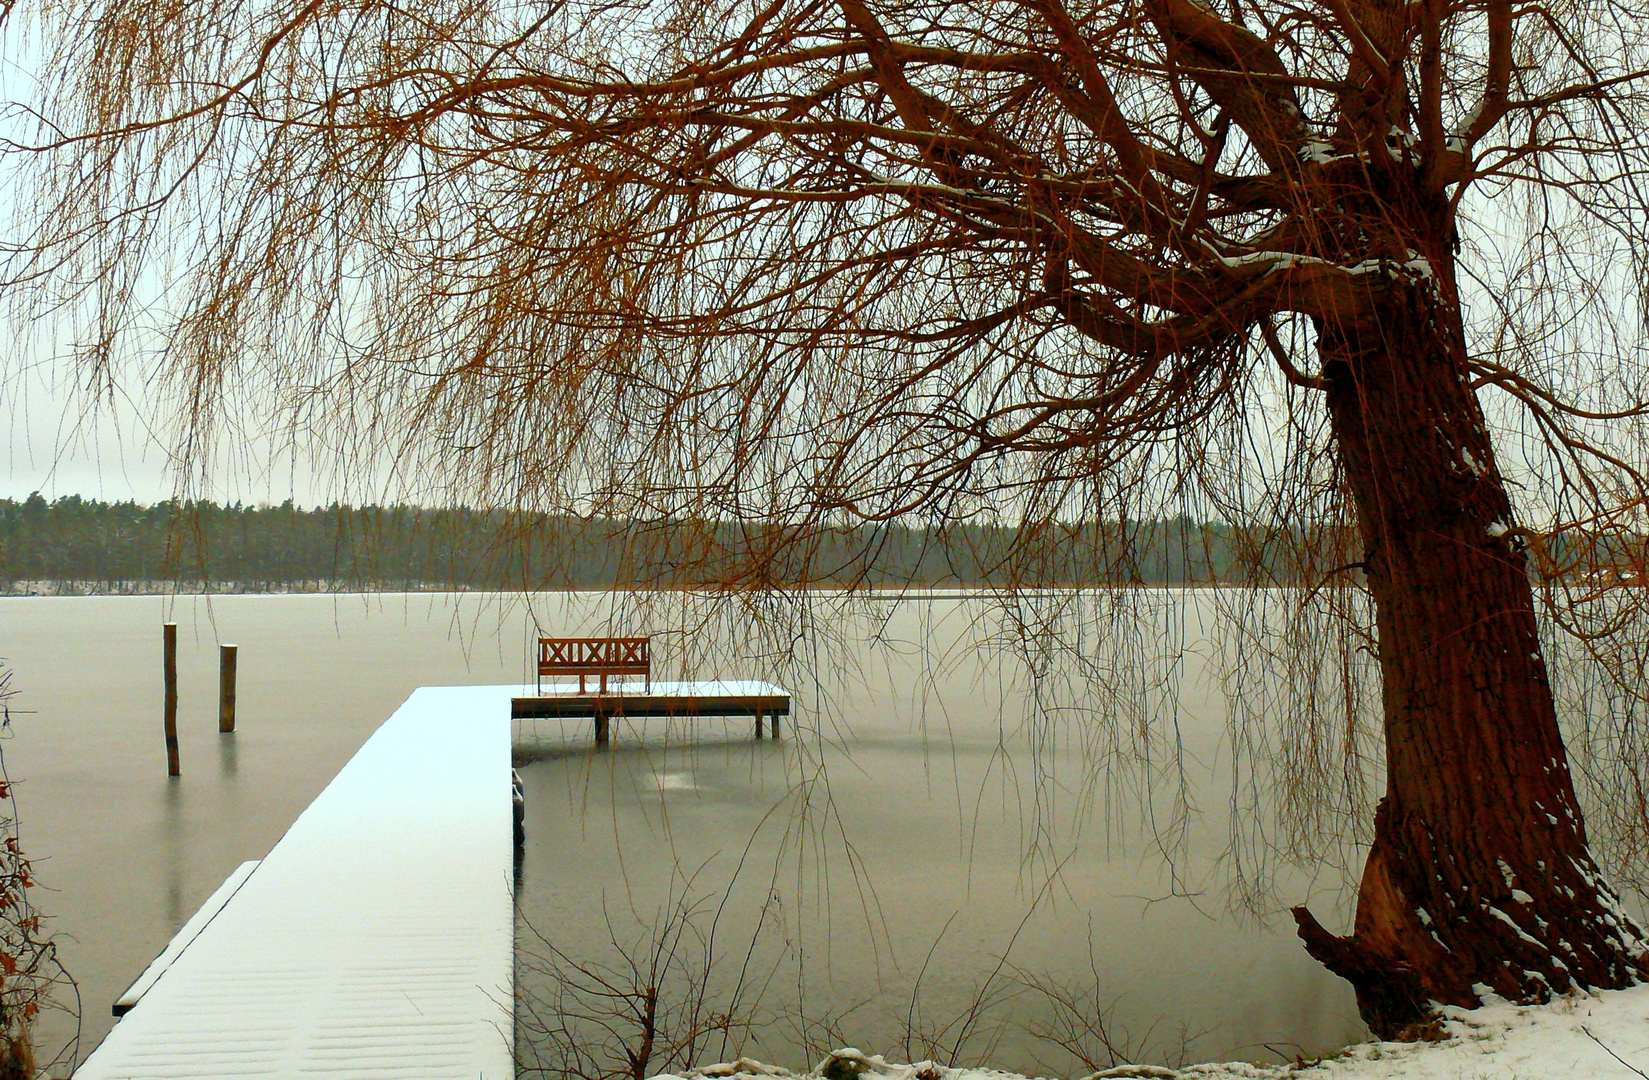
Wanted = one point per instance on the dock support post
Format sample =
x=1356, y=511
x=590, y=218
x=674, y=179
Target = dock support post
x=169, y=708
x=774, y=722
x=601, y=729
x=226, y=689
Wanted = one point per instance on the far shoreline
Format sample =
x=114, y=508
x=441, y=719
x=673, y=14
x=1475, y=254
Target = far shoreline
x=43, y=589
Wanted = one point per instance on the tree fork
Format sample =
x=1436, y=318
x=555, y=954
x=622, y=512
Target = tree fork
x=1479, y=879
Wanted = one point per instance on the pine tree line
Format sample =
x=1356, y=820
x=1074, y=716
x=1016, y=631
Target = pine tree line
x=78, y=544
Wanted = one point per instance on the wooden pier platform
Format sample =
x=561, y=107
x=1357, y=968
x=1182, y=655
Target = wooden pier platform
x=375, y=941
x=638, y=700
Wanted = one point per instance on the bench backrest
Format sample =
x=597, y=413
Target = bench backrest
x=594, y=656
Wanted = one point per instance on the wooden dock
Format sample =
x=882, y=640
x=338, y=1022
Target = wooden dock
x=375, y=941
x=667, y=700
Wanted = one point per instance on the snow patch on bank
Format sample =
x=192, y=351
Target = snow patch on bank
x=1602, y=1035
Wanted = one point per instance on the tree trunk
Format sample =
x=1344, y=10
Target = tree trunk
x=1479, y=879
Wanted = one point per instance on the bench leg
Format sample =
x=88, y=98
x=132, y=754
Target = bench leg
x=601, y=737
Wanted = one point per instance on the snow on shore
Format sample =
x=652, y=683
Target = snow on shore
x=1603, y=1035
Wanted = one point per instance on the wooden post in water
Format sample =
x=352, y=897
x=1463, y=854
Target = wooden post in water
x=169, y=664
x=226, y=689
x=758, y=723
x=601, y=729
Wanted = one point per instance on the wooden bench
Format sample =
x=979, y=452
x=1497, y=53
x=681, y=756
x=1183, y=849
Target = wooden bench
x=602, y=657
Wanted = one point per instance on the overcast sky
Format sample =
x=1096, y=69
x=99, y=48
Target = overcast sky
x=55, y=445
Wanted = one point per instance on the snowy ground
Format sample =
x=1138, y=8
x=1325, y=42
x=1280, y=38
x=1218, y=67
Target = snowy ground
x=1603, y=1035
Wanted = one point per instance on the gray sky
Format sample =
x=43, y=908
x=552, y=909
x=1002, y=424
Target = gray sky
x=55, y=445
x=52, y=448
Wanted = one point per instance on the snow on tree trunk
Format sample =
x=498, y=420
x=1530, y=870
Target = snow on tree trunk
x=1479, y=879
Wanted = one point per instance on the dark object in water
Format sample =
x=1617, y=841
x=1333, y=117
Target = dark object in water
x=519, y=791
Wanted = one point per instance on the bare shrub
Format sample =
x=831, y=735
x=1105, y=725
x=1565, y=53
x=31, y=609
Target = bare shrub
x=32, y=979
x=649, y=1006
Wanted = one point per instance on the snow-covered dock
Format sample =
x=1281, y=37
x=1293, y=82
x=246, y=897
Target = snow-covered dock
x=671, y=700
x=377, y=938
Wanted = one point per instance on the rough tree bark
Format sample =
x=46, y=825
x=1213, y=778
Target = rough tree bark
x=1479, y=879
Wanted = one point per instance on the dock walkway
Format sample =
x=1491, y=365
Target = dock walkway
x=375, y=941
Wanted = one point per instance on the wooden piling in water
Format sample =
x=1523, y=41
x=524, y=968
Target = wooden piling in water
x=601, y=734
x=226, y=689
x=169, y=667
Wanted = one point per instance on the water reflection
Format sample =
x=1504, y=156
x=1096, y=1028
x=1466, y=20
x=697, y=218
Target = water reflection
x=228, y=755
x=848, y=874
x=174, y=838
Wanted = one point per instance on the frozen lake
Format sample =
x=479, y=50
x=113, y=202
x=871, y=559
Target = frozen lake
x=893, y=837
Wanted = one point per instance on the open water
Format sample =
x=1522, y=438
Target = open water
x=913, y=869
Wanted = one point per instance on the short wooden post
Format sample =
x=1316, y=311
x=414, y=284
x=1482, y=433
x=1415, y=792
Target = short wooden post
x=169, y=665
x=758, y=723
x=226, y=689
x=773, y=721
x=601, y=729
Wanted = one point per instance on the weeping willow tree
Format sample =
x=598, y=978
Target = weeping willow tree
x=1363, y=278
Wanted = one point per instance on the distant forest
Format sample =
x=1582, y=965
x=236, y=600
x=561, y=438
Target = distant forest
x=73, y=544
